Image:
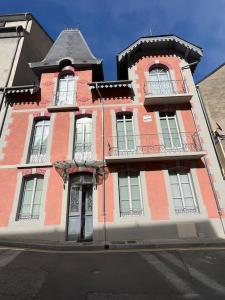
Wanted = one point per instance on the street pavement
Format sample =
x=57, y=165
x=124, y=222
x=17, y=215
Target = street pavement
x=112, y=275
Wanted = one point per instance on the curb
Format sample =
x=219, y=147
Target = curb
x=65, y=246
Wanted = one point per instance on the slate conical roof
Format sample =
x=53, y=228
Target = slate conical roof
x=71, y=45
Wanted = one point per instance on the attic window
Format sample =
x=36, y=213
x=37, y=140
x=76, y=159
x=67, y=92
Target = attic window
x=64, y=63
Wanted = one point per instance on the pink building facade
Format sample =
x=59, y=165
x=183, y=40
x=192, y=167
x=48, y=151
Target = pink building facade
x=132, y=159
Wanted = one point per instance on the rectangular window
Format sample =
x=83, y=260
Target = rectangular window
x=30, y=201
x=39, y=142
x=170, y=130
x=130, y=194
x=83, y=139
x=125, y=132
x=183, y=193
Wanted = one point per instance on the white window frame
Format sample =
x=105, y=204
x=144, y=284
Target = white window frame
x=30, y=216
x=169, y=131
x=129, y=194
x=83, y=155
x=162, y=91
x=195, y=202
x=38, y=158
x=67, y=78
x=123, y=120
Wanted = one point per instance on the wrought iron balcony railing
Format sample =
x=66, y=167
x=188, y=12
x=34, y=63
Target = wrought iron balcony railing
x=63, y=98
x=153, y=143
x=83, y=152
x=165, y=87
x=38, y=154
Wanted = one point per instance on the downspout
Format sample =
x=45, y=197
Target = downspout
x=103, y=164
x=18, y=31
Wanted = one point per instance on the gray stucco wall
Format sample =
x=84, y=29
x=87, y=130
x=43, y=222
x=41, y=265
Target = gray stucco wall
x=213, y=93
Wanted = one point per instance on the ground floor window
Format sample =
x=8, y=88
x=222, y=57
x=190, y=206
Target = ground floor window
x=30, y=200
x=130, y=194
x=183, y=193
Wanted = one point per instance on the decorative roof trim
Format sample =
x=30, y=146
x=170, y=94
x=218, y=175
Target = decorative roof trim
x=110, y=84
x=25, y=89
x=156, y=39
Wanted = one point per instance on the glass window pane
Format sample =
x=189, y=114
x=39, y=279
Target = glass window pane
x=123, y=181
x=186, y=190
x=120, y=128
x=37, y=197
x=136, y=205
x=27, y=197
x=135, y=193
x=124, y=195
x=125, y=207
x=36, y=210
x=176, y=191
x=29, y=184
x=62, y=85
x=173, y=178
x=25, y=210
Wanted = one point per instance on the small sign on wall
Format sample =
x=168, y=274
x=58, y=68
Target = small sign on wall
x=147, y=118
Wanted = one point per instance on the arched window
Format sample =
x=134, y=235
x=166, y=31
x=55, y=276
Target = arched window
x=39, y=141
x=159, y=81
x=30, y=200
x=65, y=92
x=125, y=131
x=83, y=139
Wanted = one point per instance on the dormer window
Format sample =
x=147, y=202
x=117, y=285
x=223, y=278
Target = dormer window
x=160, y=82
x=66, y=90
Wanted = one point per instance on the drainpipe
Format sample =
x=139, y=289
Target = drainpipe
x=19, y=29
x=103, y=163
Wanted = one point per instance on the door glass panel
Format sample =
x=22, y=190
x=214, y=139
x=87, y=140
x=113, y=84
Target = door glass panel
x=75, y=199
x=89, y=199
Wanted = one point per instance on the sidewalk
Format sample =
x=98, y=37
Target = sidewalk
x=113, y=245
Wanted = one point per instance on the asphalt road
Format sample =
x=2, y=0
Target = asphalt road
x=112, y=275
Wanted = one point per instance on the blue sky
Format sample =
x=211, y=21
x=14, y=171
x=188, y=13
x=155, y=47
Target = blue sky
x=110, y=26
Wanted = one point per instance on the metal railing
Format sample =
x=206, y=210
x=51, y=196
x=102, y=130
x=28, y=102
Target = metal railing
x=83, y=152
x=38, y=155
x=64, y=98
x=165, y=87
x=186, y=211
x=28, y=216
x=153, y=143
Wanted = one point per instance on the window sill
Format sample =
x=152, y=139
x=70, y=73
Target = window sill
x=55, y=108
x=35, y=165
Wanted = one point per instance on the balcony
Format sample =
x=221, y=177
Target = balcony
x=166, y=92
x=154, y=147
x=64, y=101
